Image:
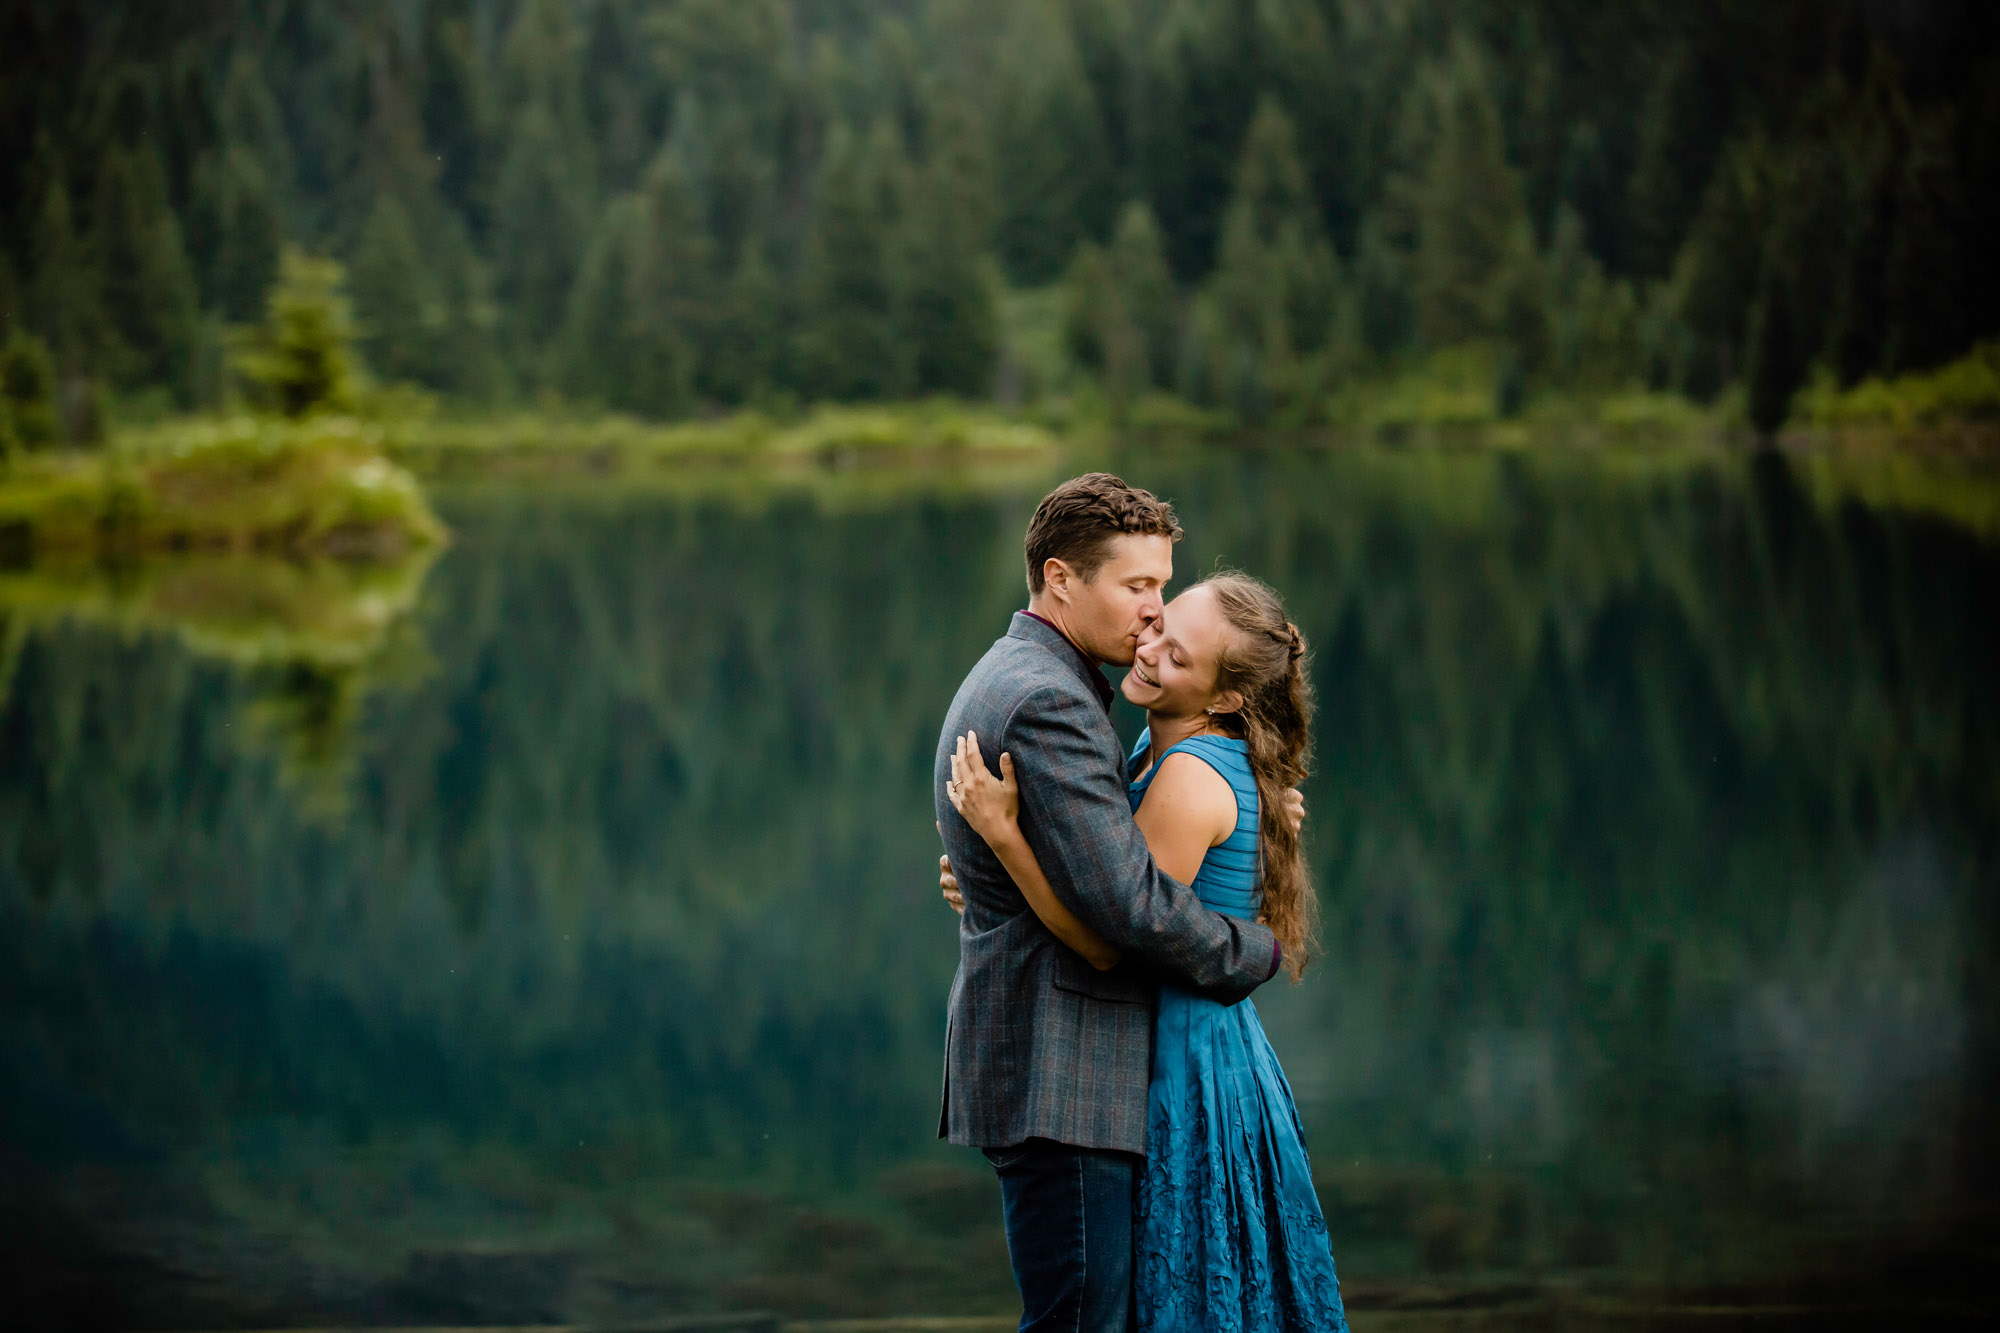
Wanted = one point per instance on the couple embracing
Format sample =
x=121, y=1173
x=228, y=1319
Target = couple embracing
x=1115, y=912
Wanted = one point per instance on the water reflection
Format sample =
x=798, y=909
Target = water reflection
x=1654, y=817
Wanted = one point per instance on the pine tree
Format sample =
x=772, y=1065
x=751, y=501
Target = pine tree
x=1927, y=260
x=1196, y=90
x=1092, y=318
x=642, y=310
x=1146, y=290
x=300, y=360
x=1385, y=293
x=1592, y=322
x=150, y=300
x=671, y=298
x=1868, y=172
x=1777, y=353
x=1276, y=282
x=1467, y=207
x=959, y=162
x=63, y=297
x=1657, y=196
x=1275, y=259
x=538, y=229
x=545, y=192
x=847, y=342
x=1050, y=150
x=947, y=316
x=27, y=391
x=742, y=365
x=1720, y=261
x=238, y=231
x=403, y=316
x=236, y=221
x=597, y=363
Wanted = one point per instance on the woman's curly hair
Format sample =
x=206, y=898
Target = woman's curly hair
x=1264, y=660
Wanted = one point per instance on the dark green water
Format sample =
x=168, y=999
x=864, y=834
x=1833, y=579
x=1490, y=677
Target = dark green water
x=578, y=954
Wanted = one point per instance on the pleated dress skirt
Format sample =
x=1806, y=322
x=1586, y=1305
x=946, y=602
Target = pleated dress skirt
x=1231, y=1238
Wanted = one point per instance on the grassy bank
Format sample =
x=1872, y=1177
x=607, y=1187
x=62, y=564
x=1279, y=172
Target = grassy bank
x=319, y=487
x=828, y=436
x=347, y=487
x=1960, y=400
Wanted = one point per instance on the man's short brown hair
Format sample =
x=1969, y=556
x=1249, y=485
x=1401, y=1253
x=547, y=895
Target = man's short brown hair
x=1077, y=521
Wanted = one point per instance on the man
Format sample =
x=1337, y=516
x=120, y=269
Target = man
x=1046, y=1058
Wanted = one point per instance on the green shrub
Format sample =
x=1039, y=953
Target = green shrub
x=1966, y=390
x=300, y=360
x=27, y=393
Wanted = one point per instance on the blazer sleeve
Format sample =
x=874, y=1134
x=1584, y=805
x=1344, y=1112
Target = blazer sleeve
x=1077, y=818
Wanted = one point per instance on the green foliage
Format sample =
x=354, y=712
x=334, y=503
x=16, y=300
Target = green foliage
x=300, y=360
x=1593, y=322
x=1465, y=201
x=150, y=301
x=947, y=316
x=236, y=223
x=1707, y=200
x=847, y=344
x=314, y=487
x=403, y=314
x=1050, y=150
x=1273, y=293
x=1966, y=390
x=27, y=393
x=1121, y=317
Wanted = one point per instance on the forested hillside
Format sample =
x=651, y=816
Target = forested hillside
x=667, y=206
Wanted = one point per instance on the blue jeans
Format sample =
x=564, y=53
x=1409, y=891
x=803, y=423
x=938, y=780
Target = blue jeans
x=1069, y=1234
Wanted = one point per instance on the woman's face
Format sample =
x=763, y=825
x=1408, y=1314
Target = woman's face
x=1175, y=667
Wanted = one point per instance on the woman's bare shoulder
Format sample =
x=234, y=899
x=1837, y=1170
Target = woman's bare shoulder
x=1190, y=789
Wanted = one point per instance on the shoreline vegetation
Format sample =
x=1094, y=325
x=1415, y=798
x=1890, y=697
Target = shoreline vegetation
x=1193, y=217
x=351, y=487
x=317, y=460
x=321, y=487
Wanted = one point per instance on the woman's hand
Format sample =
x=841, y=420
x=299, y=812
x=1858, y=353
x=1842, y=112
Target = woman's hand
x=948, y=886
x=991, y=805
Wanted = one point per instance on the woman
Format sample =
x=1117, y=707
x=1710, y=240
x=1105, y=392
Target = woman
x=1230, y=1234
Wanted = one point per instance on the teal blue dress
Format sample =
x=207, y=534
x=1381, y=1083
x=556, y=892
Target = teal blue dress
x=1230, y=1234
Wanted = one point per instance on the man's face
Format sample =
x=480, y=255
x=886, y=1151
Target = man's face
x=1106, y=615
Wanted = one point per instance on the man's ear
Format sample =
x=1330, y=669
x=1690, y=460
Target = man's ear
x=1058, y=578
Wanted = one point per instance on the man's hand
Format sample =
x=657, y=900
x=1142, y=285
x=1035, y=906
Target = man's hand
x=948, y=883
x=1295, y=809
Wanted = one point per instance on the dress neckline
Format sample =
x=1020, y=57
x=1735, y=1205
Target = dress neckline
x=1146, y=742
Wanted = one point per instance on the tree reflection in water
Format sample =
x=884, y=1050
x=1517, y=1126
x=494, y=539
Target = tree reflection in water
x=1653, y=818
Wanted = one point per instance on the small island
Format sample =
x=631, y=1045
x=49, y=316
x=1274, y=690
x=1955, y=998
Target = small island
x=301, y=469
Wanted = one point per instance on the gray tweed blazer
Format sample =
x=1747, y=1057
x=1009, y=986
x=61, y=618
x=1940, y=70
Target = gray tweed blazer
x=1038, y=1042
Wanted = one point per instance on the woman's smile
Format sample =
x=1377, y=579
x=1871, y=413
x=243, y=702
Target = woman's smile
x=1139, y=670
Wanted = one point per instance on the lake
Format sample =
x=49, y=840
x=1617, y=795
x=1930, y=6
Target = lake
x=564, y=943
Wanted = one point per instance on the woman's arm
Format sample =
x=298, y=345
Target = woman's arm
x=992, y=806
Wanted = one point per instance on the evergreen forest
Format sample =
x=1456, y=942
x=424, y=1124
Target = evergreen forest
x=678, y=207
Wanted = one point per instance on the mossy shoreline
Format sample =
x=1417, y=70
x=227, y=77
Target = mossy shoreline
x=348, y=487
x=827, y=436
x=322, y=487
x=1451, y=398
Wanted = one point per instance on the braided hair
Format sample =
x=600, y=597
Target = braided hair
x=1264, y=661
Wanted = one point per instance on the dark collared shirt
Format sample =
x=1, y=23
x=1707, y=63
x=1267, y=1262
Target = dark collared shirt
x=1097, y=681
x=1105, y=694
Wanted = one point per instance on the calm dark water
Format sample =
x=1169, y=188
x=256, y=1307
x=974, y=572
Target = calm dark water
x=572, y=949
